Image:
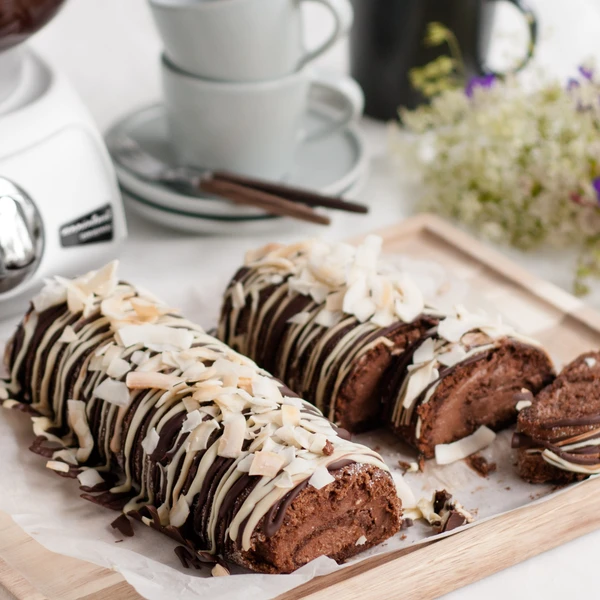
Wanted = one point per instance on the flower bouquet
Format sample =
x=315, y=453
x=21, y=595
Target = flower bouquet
x=519, y=166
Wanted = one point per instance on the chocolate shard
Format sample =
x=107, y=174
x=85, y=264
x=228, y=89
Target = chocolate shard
x=455, y=519
x=440, y=499
x=123, y=524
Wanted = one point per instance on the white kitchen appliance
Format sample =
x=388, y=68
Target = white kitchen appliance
x=60, y=206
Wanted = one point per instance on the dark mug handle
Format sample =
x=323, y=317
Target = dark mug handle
x=533, y=35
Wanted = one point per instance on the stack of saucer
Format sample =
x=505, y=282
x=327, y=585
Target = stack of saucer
x=239, y=96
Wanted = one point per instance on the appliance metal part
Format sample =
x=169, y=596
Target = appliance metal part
x=21, y=236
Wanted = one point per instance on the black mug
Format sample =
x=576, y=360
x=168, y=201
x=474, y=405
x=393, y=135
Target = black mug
x=387, y=41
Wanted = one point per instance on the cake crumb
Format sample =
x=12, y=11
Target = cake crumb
x=403, y=537
x=404, y=466
x=507, y=488
x=408, y=467
x=328, y=448
x=480, y=465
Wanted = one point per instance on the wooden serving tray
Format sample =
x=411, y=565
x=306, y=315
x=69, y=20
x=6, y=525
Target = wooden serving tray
x=561, y=322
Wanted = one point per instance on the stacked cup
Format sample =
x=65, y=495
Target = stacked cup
x=237, y=83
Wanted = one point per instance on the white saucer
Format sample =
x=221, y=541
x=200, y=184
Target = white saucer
x=330, y=165
x=219, y=224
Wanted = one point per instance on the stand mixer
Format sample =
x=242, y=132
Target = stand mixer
x=60, y=206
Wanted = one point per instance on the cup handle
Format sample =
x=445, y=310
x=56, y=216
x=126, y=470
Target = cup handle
x=343, y=15
x=334, y=91
x=533, y=35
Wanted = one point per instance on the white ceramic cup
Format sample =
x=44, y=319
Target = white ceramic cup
x=252, y=128
x=11, y=62
x=241, y=40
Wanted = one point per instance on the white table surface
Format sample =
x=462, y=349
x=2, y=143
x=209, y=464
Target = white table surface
x=110, y=49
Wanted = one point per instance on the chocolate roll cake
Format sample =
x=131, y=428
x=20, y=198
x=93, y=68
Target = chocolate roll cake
x=558, y=431
x=356, y=338
x=326, y=319
x=465, y=373
x=167, y=424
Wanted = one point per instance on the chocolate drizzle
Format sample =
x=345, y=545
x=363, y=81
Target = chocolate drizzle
x=154, y=484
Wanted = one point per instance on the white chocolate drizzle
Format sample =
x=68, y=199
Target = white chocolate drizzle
x=130, y=376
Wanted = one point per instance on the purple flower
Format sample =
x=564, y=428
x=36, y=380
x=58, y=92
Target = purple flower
x=484, y=81
x=572, y=84
x=586, y=72
x=596, y=184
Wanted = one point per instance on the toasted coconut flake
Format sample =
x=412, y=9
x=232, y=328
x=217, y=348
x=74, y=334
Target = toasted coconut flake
x=265, y=433
x=230, y=444
x=90, y=478
x=57, y=465
x=200, y=436
x=111, y=353
x=150, y=442
x=364, y=309
x=219, y=571
x=455, y=354
x=145, y=309
x=155, y=337
x=194, y=372
x=179, y=513
x=590, y=361
x=299, y=465
x=449, y=453
x=104, y=281
x=265, y=387
x=154, y=363
x=138, y=357
x=286, y=435
x=412, y=303
x=301, y=318
x=254, y=255
x=207, y=393
x=143, y=380
x=76, y=298
x=68, y=455
x=266, y=464
x=302, y=437
x=115, y=392
x=327, y=318
x=290, y=415
x=68, y=335
x=190, y=404
x=318, y=443
x=335, y=301
x=117, y=368
x=521, y=404
x=320, y=478
x=425, y=352
x=102, y=349
x=361, y=541
x=192, y=421
x=284, y=481
x=116, y=308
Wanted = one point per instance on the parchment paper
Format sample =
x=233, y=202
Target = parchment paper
x=49, y=509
